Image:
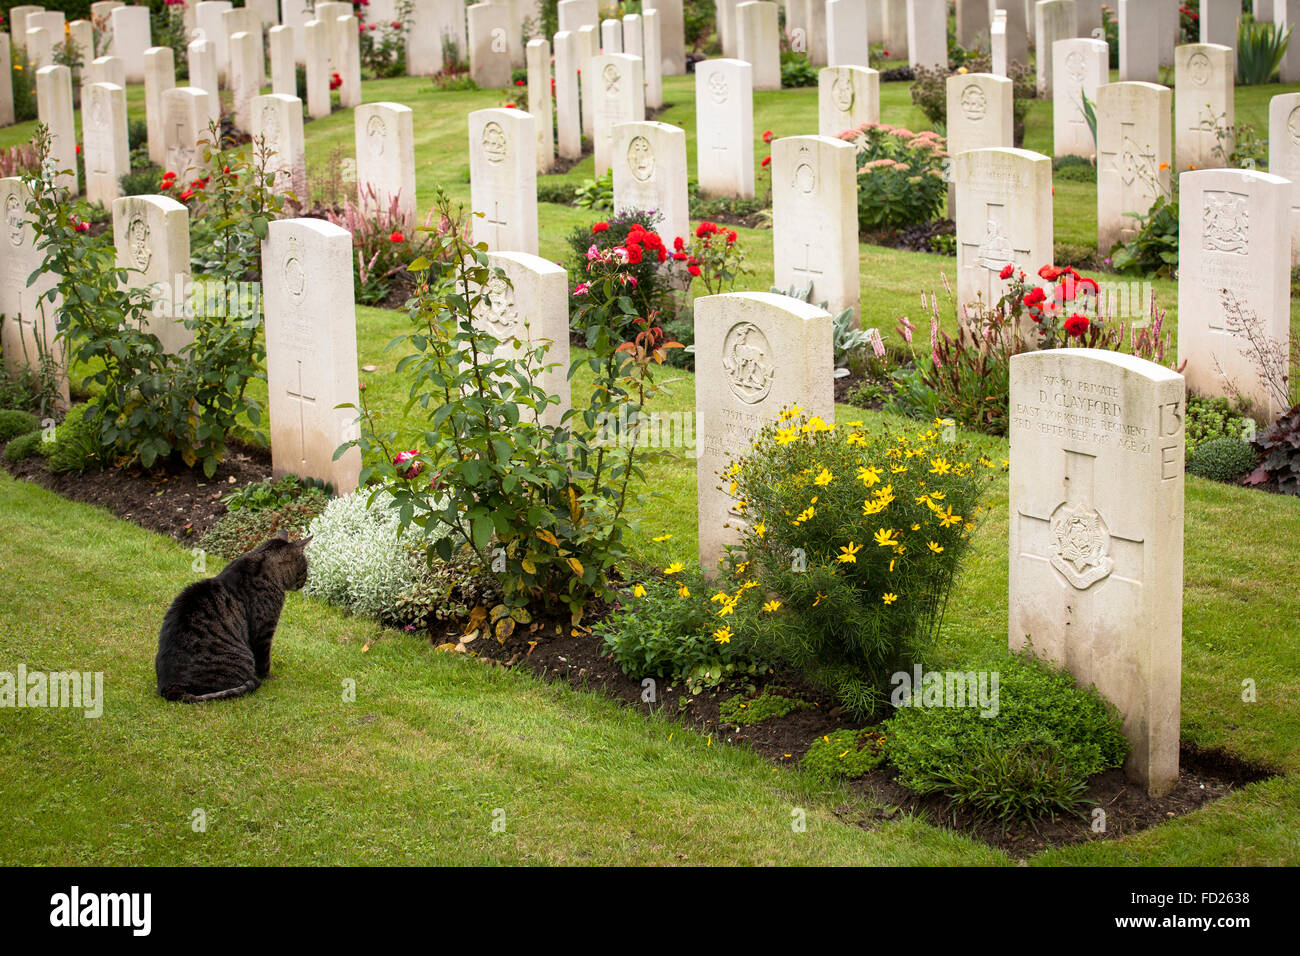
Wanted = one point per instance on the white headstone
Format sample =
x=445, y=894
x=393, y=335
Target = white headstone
x=758, y=42
x=1284, y=156
x=17, y=18
x=1055, y=20
x=673, y=33
x=1080, y=66
x=633, y=35
x=847, y=38
x=653, y=59
x=980, y=112
x=208, y=16
x=284, y=71
x=611, y=36
x=245, y=67
x=577, y=13
x=1204, y=111
x=1234, y=233
x=295, y=14
x=503, y=179
x=1139, y=56
x=108, y=69
x=311, y=350
x=725, y=22
x=1017, y=34
x=538, y=52
x=39, y=48
x=1286, y=13
x=130, y=39
x=927, y=33
x=1219, y=19
x=316, y=34
x=568, y=115
x=724, y=128
x=278, y=117
x=30, y=326
x=756, y=353
x=185, y=129
x=385, y=148
x=159, y=76
x=618, y=97
x=244, y=20
x=847, y=97
x=106, y=152
x=203, y=74
x=348, y=61
x=81, y=33
x=1096, y=536
x=489, y=45
x=532, y=305
x=1004, y=216
x=815, y=23
x=54, y=109
x=815, y=219
x=433, y=24
x=6, y=84
x=1133, y=156
x=650, y=174
x=588, y=49
x=998, y=42
x=152, y=237
x=973, y=24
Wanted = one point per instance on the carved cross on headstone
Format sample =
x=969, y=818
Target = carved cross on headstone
x=808, y=268
x=303, y=400
x=1085, y=552
x=496, y=219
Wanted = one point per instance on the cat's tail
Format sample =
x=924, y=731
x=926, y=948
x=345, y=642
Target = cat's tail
x=247, y=687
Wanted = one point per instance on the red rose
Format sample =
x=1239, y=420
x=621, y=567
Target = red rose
x=1086, y=284
x=1048, y=273
x=396, y=237
x=731, y=236
x=678, y=244
x=1034, y=296
x=187, y=195
x=693, y=270
x=520, y=83
x=600, y=227
x=767, y=136
x=679, y=256
x=705, y=229
x=1007, y=271
x=767, y=161
x=1076, y=325
x=633, y=253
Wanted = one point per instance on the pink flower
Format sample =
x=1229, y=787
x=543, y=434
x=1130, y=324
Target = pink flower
x=592, y=252
x=581, y=288
x=402, y=457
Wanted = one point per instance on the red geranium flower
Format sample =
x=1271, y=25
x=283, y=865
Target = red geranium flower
x=396, y=237
x=1007, y=271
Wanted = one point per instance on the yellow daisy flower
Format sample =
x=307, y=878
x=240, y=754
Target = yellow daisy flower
x=771, y=606
x=722, y=635
x=849, y=553
x=889, y=598
x=675, y=568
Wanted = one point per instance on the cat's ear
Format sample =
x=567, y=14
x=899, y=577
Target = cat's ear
x=282, y=535
x=304, y=541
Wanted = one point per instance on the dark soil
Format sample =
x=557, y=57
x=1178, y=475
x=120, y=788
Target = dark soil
x=176, y=501
x=553, y=650
x=918, y=238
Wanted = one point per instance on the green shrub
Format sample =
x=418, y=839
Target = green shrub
x=844, y=755
x=664, y=633
x=77, y=446
x=26, y=446
x=650, y=296
x=596, y=194
x=797, y=70
x=1153, y=250
x=1279, y=444
x=1222, y=459
x=1032, y=757
x=239, y=532
x=857, y=536
x=1211, y=418
x=561, y=193
x=272, y=495
x=141, y=181
x=747, y=710
x=14, y=423
x=1076, y=172
x=900, y=176
x=137, y=137
x=929, y=91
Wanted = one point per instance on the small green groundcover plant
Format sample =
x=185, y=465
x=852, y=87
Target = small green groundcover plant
x=1211, y=418
x=25, y=446
x=1032, y=758
x=15, y=422
x=845, y=754
x=749, y=709
x=1223, y=459
x=260, y=510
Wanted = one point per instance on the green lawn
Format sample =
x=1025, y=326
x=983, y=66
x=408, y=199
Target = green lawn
x=413, y=771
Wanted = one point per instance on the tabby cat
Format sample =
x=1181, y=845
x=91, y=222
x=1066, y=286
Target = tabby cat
x=216, y=637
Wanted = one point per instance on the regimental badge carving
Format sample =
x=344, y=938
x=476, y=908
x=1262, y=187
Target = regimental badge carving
x=14, y=220
x=641, y=159
x=613, y=79
x=747, y=362
x=805, y=178
x=842, y=92
x=137, y=243
x=1075, y=68
x=495, y=142
x=295, y=278
x=1080, y=545
x=1225, y=223
x=974, y=104
x=98, y=112
x=996, y=250
x=1198, y=69
x=376, y=135
x=1293, y=125
x=718, y=87
x=501, y=316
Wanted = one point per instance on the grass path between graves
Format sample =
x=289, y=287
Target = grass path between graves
x=413, y=771
x=892, y=280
